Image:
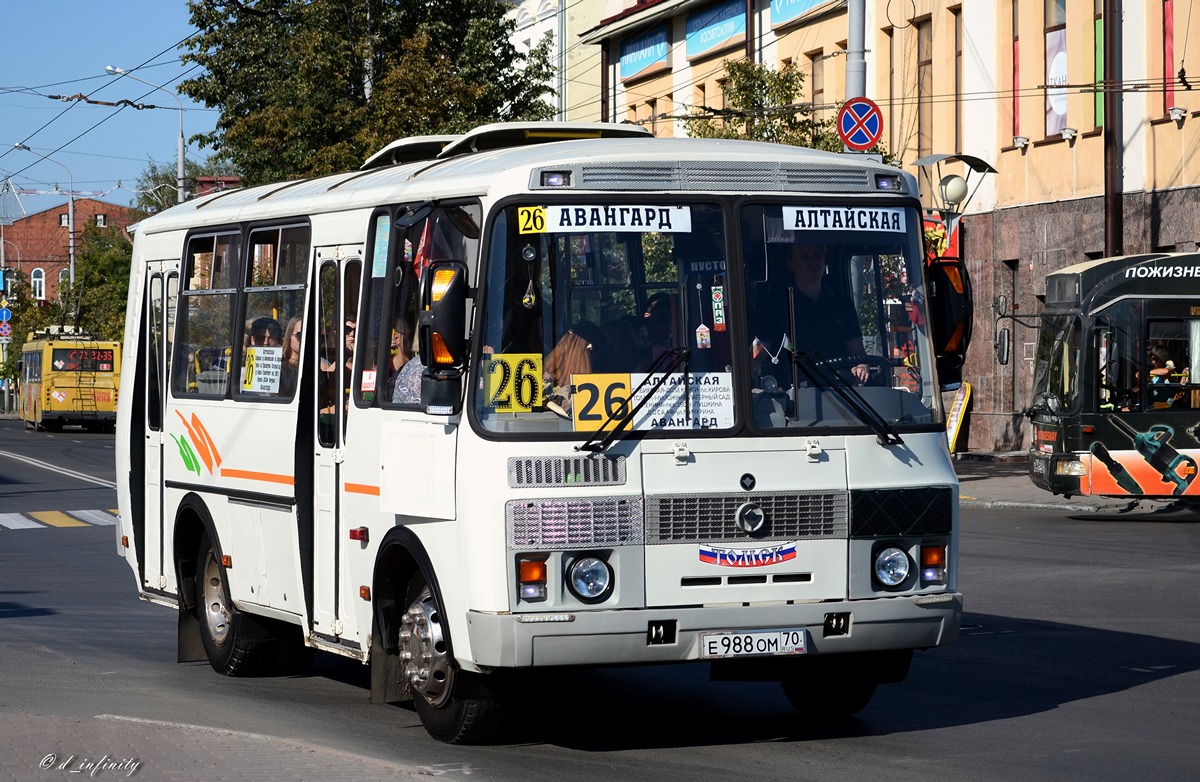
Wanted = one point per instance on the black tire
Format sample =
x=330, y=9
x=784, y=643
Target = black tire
x=223, y=628
x=430, y=668
x=819, y=697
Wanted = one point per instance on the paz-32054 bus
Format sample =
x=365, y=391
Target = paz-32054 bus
x=548, y=395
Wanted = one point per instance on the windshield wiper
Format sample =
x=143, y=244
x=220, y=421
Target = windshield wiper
x=826, y=378
x=665, y=364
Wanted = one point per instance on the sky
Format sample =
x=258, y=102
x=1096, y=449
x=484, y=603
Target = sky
x=61, y=47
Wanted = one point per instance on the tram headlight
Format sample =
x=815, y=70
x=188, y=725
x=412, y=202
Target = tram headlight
x=1072, y=467
x=590, y=579
x=892, y=566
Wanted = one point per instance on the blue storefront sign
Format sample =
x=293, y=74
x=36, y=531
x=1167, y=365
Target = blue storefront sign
x=716, y=27
x=645, y=54
x=786, y=10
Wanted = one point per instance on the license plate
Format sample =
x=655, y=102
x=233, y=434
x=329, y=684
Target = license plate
x=1039, y=466
x=752, y=643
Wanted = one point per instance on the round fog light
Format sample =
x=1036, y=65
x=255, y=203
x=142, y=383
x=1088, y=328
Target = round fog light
x=590, y=579
x=892, y=567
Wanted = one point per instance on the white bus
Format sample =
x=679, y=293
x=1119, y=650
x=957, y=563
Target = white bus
x=622, y=439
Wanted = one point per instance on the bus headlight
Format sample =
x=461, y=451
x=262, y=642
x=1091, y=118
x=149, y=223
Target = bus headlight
x=590, y=579
x=892, y=567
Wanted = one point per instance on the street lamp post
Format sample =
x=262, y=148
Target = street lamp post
x=112, y=69
x=70, y=209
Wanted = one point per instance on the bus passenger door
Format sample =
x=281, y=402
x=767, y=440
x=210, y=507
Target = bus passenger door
x=333, y=334
x=162, y=284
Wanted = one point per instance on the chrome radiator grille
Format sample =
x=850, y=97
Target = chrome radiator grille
x=690, y=518
x=574, y=523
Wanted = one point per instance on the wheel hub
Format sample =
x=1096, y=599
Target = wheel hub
x=423, y=650
x=216, y=612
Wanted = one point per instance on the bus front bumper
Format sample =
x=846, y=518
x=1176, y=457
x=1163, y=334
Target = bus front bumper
x=635, y=637
x=1052, y=472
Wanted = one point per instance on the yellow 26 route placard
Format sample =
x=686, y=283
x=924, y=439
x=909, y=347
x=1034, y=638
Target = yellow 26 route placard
x=513, y=382
x=598, y=398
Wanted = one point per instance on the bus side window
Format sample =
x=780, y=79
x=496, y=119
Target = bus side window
x=206, y=314
x=276, y=270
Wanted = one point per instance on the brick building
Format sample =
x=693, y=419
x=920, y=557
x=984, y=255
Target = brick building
x=38, y=245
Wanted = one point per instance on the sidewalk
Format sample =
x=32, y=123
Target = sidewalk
x=1001, y=480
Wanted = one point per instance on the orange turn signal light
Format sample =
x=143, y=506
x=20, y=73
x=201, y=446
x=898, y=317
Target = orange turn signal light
x=933, y=556
x=441, y=282
x=441, y=353
x=226, y=561
x=531, y=571
x=364, y=592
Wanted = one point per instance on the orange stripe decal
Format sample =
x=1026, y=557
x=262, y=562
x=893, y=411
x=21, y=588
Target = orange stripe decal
x=201, y=446
x=362, y=488
x=207, y=438
x=252, y=475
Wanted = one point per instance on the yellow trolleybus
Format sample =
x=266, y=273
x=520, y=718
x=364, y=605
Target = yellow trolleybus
x=68, y=377
x=548, y=395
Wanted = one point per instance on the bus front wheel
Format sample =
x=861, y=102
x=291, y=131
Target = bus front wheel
x=429, y=667
x=222, y=626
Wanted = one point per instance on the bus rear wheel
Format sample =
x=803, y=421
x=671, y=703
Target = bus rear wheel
x=429, y=667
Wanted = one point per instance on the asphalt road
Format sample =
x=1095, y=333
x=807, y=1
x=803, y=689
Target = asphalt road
x=1079, y=660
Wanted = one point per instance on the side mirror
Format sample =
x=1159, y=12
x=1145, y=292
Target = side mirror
x=1003, y=345
x=951, y=316
x=442, y=334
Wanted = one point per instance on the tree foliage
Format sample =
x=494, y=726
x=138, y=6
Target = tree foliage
x=764, y=104
x=102, y=281
x=157, y=187
x=311, y=87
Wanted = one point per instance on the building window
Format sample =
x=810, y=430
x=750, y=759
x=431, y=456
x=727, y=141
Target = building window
x=1016, y=69
x=652, y=115
x=924, y=87
x=891, y=87
x=1098, y=60
x=1168, y=54
x=64, y=282
x=723, y=85
x=64, y=220
x=956, y=15
x=101, y=221
x=817, y=59
x=1055, y=23
x=37, y=284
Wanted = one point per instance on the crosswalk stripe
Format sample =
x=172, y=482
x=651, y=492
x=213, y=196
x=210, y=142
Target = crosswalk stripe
x=56, y=519
x=17, y=521
x=103, y=518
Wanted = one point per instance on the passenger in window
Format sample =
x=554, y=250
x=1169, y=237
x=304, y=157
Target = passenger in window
x=265, y=332
x=625, y=346
x=659, y=320
x=570, y=357
x=291, y=357
x=1162, y=373
x=407, y=382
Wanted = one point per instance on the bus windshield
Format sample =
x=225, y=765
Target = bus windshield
x=1055, y=383
x=582, y=300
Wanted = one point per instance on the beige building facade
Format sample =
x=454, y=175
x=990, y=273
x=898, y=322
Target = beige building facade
x=1018, y=84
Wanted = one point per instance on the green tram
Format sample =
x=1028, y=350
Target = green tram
x=1116, y=405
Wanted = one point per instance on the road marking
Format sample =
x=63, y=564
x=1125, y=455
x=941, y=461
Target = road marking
x=56, y=518
x=99, y=517
x=17, y=521
x=53, y=518
x=60, y=470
